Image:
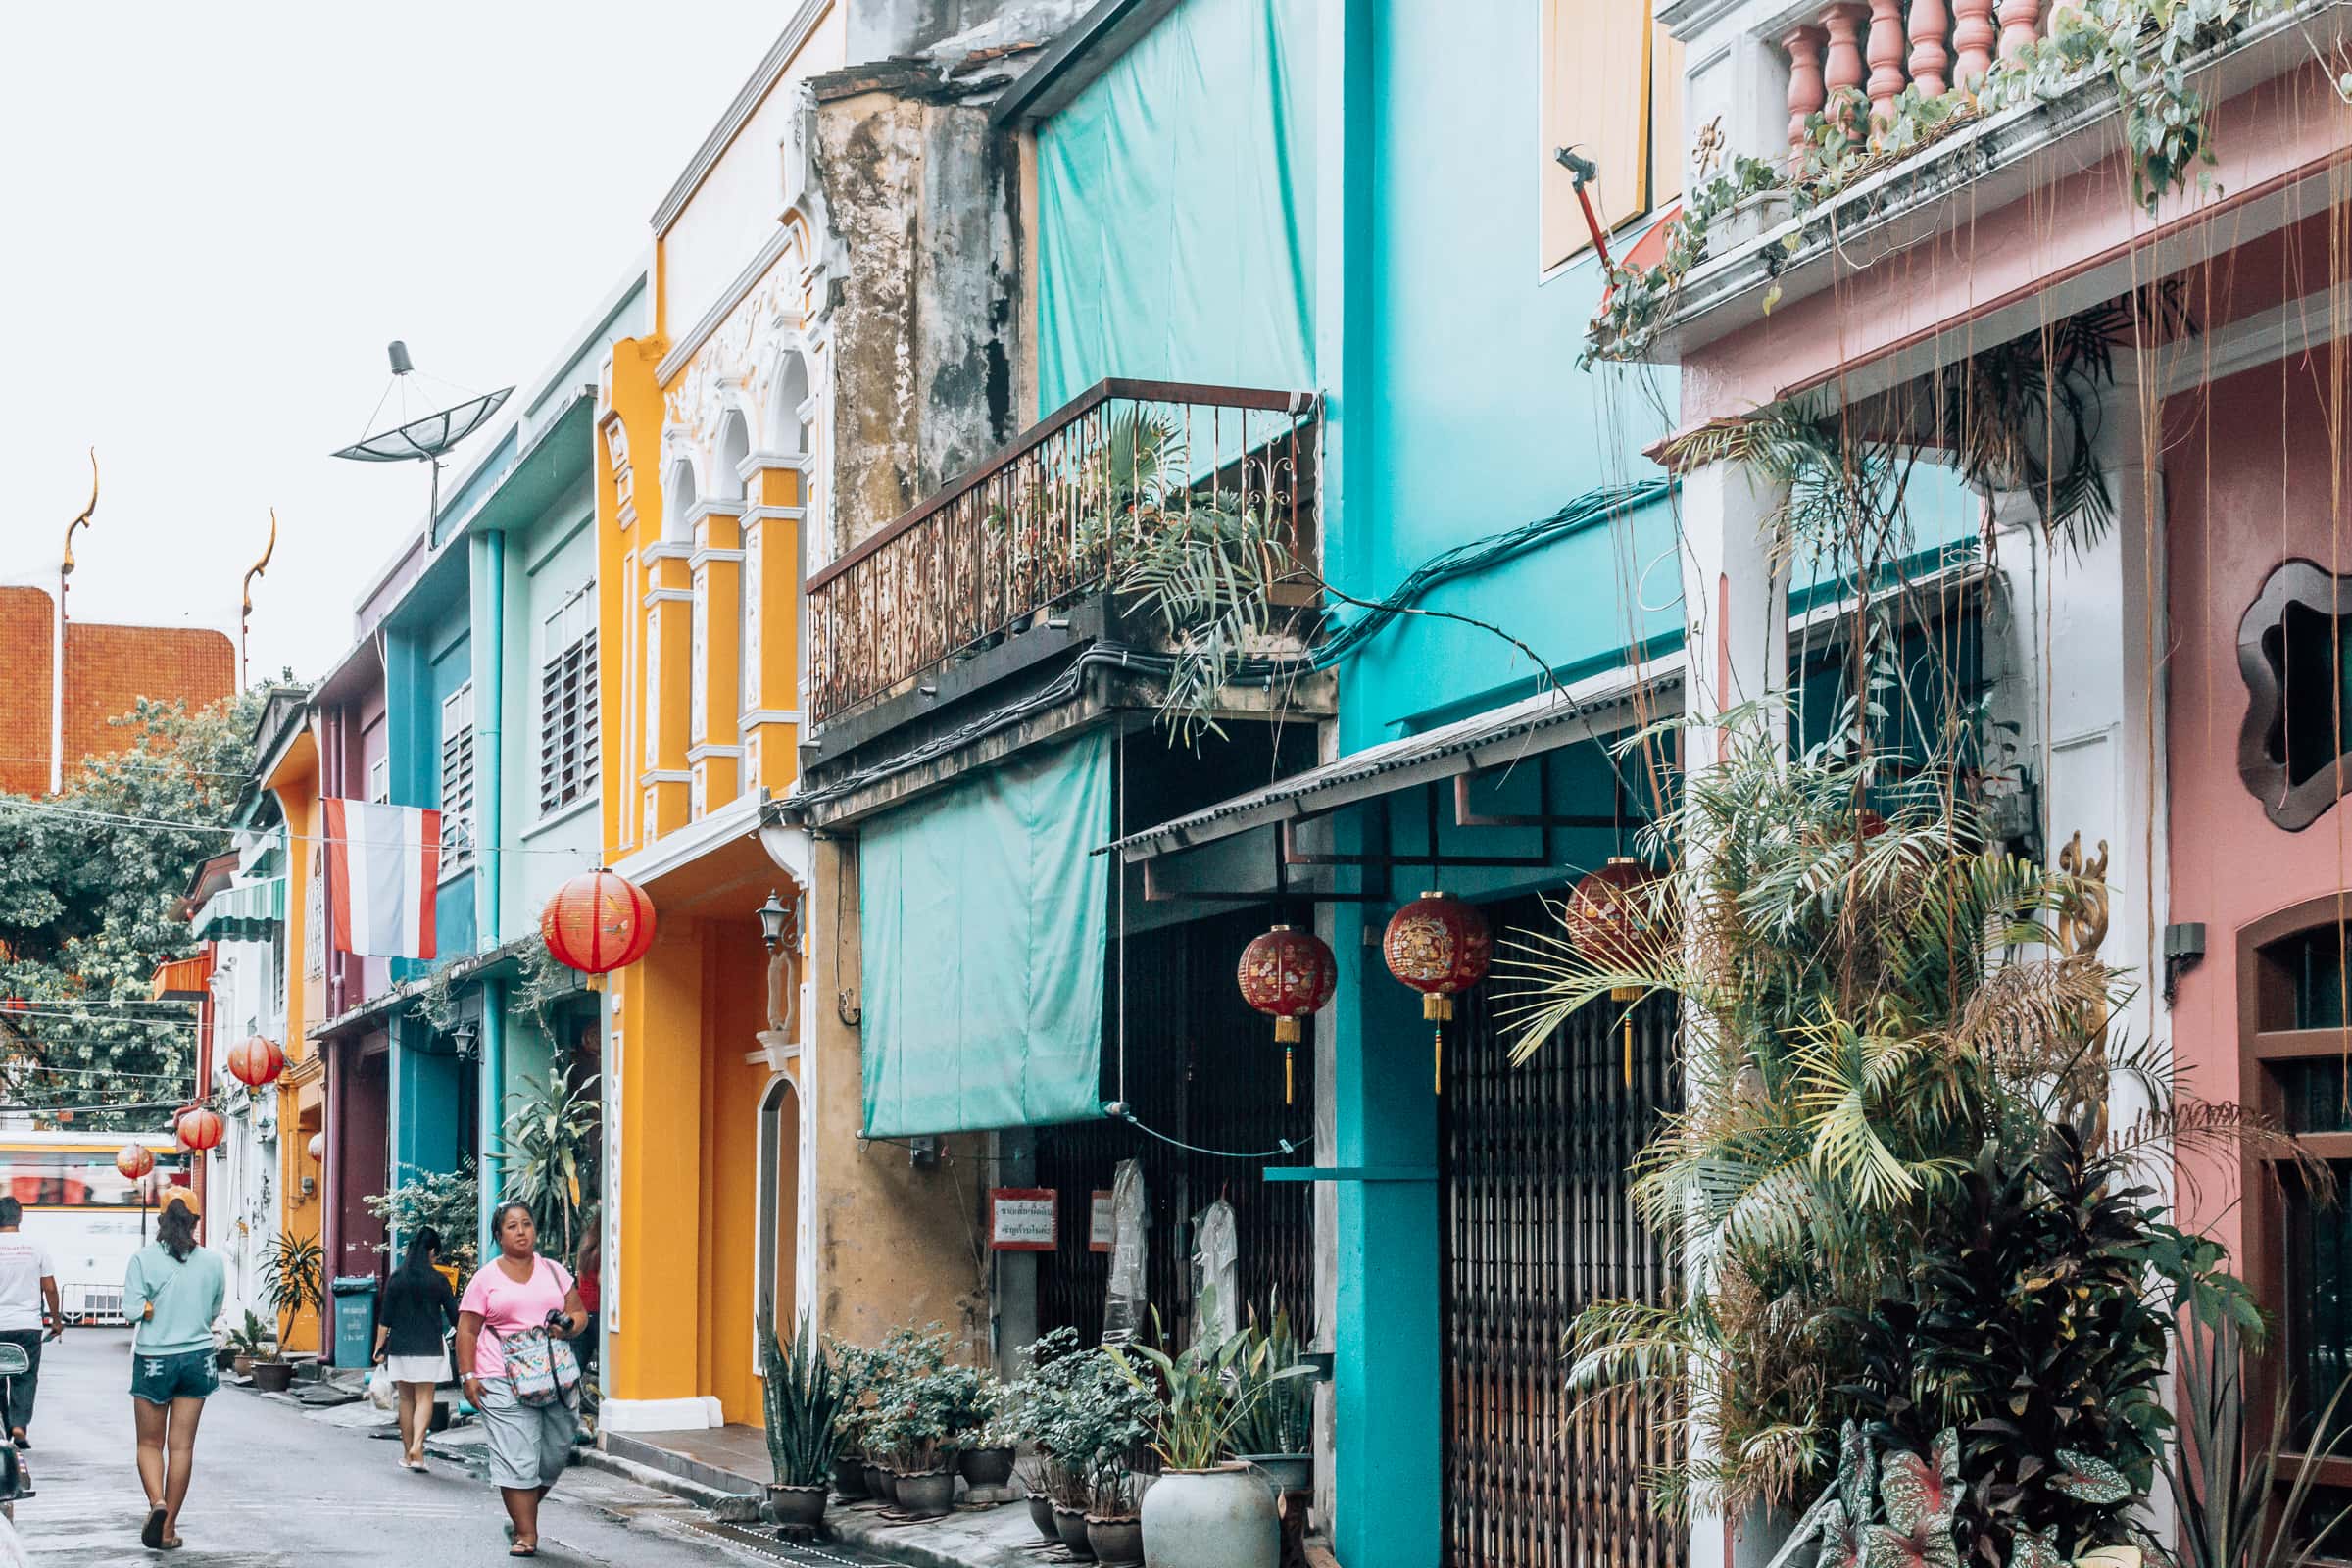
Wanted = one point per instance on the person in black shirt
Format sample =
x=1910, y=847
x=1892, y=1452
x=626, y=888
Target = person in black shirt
x=418, y=1308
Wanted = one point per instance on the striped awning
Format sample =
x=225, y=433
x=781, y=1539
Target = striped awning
x=184, y=979
x=249, y=913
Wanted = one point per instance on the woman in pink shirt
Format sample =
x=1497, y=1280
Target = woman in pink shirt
x=529, y=1444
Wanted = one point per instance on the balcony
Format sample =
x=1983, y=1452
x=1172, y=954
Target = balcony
x=1052, y=518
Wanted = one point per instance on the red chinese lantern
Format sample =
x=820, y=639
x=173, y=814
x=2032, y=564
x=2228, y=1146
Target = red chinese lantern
x=200, y=1128
x=1441, y=947
x=1288, y=974
x=1616, y=917
x=134, y=1161
x=598, y=922
x=257, y=1061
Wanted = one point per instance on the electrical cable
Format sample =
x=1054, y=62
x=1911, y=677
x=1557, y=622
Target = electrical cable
x=1118, y=1111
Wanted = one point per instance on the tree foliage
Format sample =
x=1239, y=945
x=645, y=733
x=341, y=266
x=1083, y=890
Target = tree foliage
x=90, y=905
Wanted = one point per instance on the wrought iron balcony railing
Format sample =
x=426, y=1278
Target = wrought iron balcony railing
x=1053, y=516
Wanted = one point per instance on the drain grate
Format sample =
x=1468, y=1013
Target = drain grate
x=803, y=1554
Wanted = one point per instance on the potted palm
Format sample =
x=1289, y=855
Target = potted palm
x=248, y=1344
x=802, y=1402
x=1207, y=1510
x=294, y=1278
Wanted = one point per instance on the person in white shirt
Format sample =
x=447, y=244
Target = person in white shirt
x=27, y=1288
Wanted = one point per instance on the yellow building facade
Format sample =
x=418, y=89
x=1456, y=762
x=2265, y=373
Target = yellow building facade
x=290, y=770
x=701, y=499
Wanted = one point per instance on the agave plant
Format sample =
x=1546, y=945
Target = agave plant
x=803, y=1400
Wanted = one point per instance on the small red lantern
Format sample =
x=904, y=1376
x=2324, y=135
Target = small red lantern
x=1288, y=974
x=200, y=1128
x=257, y=1061
x=1441, y=947
x=598, y=922
x=1615, y=916
x=134, y=1161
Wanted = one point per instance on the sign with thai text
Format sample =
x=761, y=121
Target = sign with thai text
x=1102, y=1225
x=1022, y=1219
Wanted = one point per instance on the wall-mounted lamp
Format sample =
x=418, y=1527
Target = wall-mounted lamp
x=467, y=1037
x=773, y=919
x=2183, y=951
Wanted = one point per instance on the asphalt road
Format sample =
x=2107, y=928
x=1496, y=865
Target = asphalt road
x=277, y=1486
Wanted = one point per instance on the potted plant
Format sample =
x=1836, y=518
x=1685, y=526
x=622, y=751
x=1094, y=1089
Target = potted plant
x=853, y=1366
x=983, y=1440
x=1275, y=1436
x=294, y=1277
x=1207, y=1510
x=249, y=1343
x=801, y=1401
x=1093, y=1420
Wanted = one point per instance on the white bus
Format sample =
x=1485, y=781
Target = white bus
x=87, y=1214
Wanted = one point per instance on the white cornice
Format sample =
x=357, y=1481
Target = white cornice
x=703, y=558
x=723, y=306
x=747, y=101
x=774, y=513
x=666, y=550
x=670, y=596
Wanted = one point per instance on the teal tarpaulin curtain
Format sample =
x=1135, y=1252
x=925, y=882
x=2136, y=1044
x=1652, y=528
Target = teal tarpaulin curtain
x=1175, y=208
x=983, y=915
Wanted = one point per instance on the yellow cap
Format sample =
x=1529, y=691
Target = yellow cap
x=184, y=1195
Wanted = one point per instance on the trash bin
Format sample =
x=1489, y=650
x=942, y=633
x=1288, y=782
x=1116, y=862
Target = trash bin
x=355, y=1318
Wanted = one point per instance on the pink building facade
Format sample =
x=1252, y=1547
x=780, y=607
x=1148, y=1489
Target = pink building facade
x=2178, y=689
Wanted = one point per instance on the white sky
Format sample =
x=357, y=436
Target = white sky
x=218, y=214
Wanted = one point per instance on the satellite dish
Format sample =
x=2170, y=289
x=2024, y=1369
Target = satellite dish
x=426, y=439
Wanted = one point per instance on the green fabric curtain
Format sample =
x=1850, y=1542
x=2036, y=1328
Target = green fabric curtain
x=1175, y=208
x=983, y=914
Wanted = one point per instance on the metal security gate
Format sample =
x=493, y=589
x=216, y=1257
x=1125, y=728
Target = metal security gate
x=1534, y=1223
x=1201, y=1066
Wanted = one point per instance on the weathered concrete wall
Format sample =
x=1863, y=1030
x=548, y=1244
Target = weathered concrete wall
x=882, y=29
x=928, y=317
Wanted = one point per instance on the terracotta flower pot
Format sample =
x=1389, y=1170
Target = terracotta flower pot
x=1041, y=1514
x=1070, y=1524
x=242, y=1365
x=927, y=1495
x=273, y=1377
x=849, y=1479
x=1115, y=1541
x=802, y=1507
x=986, y=1467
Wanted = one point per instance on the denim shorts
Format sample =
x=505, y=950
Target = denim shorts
x=160, y=1379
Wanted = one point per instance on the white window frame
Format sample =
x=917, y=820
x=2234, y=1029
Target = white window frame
x=457, y=780
x=379, y=781
x=568, y=633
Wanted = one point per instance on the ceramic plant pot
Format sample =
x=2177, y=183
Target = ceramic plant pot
x=849, y=1479
x=878, y=1486
x=273, y=1377
x=1041, y=1514
x=1283, y=1472
x=1070, y=1524
x=986, y=1467
x=927, y=1495
x=1115, y=1541
x=802, y=1507
x=242, y=1365
x=1221, y=1518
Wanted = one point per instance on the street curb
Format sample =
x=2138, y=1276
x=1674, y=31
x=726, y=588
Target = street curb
x=733, y=1507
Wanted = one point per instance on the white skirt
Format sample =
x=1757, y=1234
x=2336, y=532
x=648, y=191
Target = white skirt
x=432, y=1368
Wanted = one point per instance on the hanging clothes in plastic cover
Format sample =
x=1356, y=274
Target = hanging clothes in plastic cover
x=1127, y=1297
x=1216, y=1274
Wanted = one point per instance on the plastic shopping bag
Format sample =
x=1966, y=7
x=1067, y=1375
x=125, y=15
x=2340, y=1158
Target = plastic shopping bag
x=382, y=1391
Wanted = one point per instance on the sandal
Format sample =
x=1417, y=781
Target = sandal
x=151, y=1533
x=519, y=1549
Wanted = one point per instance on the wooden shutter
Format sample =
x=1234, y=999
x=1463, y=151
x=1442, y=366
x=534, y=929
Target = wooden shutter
x=1597, y=98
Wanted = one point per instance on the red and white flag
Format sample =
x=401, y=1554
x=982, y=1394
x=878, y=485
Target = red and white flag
x=383, y=863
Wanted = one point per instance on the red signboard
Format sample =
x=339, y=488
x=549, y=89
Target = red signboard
x=1023, y=1219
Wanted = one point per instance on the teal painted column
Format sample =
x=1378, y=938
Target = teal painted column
x=1386, y=1369
x=493, y=1124
x=488, y=560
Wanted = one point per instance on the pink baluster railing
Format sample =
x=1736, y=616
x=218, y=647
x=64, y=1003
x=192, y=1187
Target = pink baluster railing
x=1878, y=47
x=1931, y=60
x=1806, y=91
x=1973, y=36
x=1886, y=53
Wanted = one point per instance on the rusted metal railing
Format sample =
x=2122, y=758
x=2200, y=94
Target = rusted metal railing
x=1051, y=518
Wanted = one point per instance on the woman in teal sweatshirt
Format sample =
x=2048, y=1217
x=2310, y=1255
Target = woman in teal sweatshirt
x=171, y=1293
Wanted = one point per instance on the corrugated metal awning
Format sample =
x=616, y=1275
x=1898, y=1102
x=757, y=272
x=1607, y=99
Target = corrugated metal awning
x=253, y=913
x=1597, y=706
